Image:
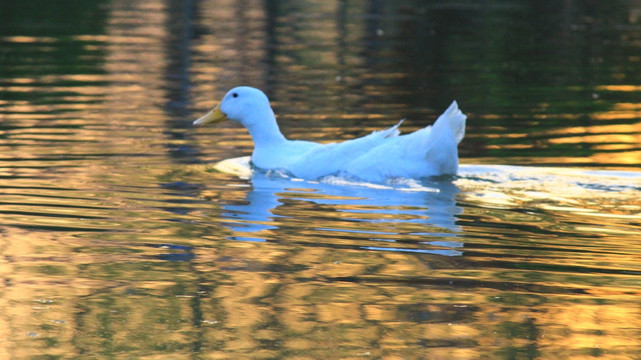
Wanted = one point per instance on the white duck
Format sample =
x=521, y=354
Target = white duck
x=429, y=151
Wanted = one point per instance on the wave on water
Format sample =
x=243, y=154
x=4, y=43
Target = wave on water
x=470, y=177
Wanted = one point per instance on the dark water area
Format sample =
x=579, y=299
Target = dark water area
x=121, y=238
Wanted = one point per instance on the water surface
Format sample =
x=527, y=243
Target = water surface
x=119, y=239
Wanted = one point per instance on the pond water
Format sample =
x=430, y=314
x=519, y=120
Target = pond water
x=119, y=237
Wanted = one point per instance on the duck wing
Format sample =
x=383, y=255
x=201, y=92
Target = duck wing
x=333, y=157
x=430, y=151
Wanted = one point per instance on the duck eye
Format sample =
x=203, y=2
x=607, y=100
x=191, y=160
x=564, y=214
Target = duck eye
x=234, y=94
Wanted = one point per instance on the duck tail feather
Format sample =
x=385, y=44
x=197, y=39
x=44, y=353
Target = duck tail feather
x=454, y=119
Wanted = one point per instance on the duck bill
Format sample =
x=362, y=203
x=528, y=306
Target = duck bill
x=212, y=117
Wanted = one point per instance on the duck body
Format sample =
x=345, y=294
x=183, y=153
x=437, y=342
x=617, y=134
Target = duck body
x=430, y=151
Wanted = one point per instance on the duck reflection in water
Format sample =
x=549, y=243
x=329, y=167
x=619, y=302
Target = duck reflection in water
x=424, y=210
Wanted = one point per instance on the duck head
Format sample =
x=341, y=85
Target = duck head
x=242, y=104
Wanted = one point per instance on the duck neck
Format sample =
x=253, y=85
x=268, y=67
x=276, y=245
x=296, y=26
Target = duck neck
x=264, y=130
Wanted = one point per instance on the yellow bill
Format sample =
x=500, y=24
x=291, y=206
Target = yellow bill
x=214, y=116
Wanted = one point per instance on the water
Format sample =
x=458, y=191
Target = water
x=119, y=239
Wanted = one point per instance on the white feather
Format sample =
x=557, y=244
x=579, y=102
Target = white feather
x=382, y=154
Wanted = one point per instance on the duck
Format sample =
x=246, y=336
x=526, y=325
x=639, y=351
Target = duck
x=381, y=155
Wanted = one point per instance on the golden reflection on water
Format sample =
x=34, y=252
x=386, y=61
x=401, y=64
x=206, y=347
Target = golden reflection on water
x=80, y=292
x=112, y=246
